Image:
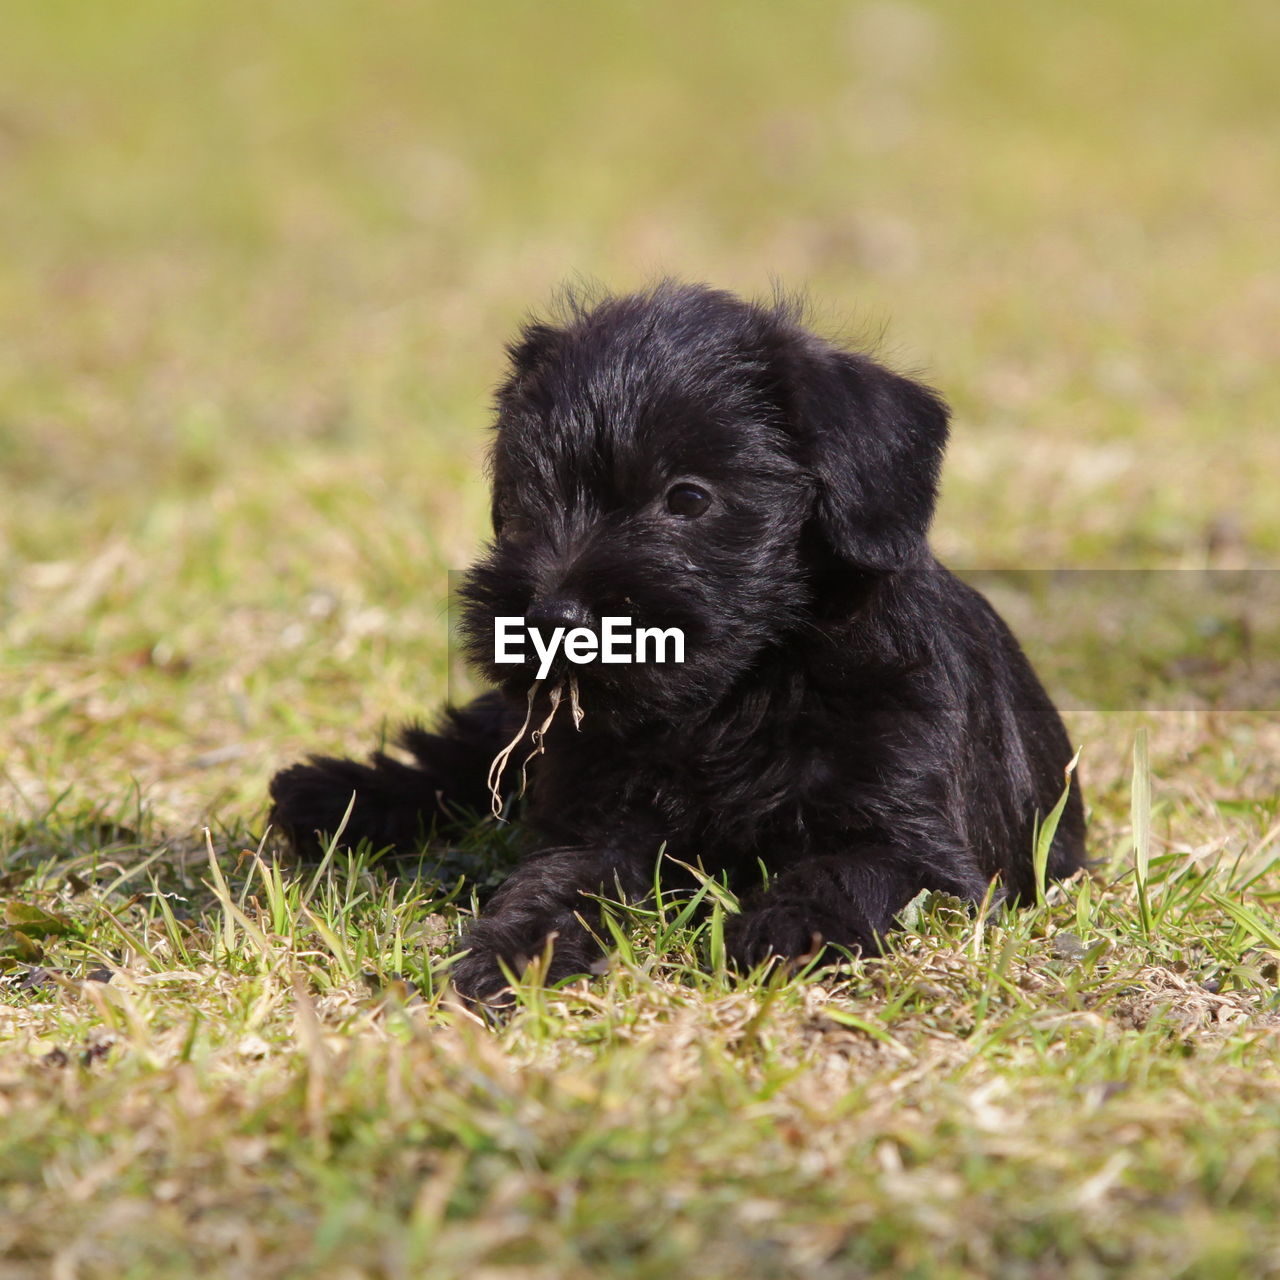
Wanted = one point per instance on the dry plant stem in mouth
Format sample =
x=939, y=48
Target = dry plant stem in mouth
x=501, y=760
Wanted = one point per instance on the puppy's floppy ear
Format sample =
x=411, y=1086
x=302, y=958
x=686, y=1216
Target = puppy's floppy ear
x=873, y=442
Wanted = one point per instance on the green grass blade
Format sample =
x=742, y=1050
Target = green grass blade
x=1046, y=831
x=1140, y=816
x=1251, y=921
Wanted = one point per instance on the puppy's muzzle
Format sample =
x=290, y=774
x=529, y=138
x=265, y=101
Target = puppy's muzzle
x=559, y=611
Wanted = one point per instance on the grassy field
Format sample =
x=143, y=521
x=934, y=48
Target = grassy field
x=258, y=266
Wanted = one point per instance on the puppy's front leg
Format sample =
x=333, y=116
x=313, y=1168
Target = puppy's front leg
x=845, y=901
x=396, y=804
x=545, y=896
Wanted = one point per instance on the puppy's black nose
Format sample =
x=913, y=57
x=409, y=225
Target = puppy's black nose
x=558, y=611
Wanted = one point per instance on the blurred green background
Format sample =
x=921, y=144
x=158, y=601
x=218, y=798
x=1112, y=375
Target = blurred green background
x=259, y=262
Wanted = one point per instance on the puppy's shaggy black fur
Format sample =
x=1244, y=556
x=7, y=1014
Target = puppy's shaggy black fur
x=848, y=714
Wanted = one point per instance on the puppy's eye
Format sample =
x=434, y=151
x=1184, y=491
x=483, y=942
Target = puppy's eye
x=687, y=500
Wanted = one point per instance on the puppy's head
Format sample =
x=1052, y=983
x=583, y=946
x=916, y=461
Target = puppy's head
x=688, y=460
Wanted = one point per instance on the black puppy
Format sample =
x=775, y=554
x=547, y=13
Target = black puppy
x=847, y=713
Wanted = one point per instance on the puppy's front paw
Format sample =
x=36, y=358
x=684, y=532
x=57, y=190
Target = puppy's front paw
x=309, y=801
x=394, y=803
x=481, y=976
x=785, y=931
